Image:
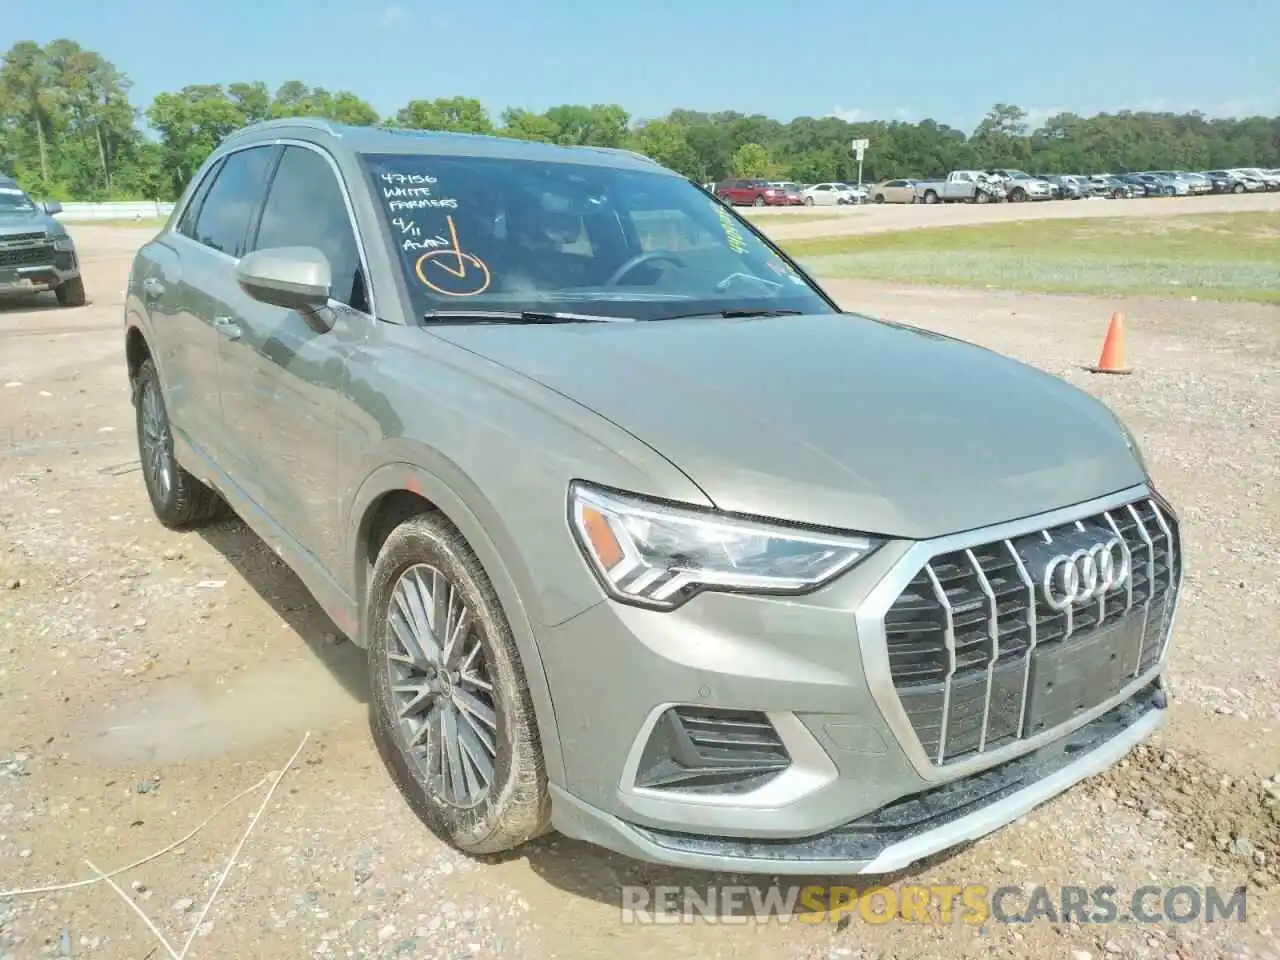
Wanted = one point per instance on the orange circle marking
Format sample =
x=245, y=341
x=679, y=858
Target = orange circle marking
x=479, y=277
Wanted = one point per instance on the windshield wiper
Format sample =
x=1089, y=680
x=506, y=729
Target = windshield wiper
x=515, y=316
x=733, y=314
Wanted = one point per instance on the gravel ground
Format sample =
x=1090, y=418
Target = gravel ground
x=147, y=678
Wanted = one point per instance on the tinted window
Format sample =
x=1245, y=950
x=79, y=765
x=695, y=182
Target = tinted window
x=510, y=234
x=305, y=208
x=224, y=215
x=187, y=224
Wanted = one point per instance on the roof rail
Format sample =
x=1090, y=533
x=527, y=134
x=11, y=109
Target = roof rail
x=284, y=123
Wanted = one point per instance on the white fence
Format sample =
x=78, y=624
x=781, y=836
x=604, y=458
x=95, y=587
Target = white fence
x=122, y=210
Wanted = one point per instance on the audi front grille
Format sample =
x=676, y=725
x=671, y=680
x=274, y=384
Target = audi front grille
x=1010, y=638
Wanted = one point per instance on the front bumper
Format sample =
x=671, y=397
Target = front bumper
x=34, y=267
x=860, y=793
x=900, y=834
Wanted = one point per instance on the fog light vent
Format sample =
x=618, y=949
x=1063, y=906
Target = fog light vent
x=704, y=750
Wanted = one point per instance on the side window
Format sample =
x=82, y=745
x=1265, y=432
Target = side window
x=187, y=224
x=224, y=215
x=305, y=208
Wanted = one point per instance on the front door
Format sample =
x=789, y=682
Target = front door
x=183, y=294
x=284, y=379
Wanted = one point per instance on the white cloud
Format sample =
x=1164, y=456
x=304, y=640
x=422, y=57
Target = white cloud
x=903, y=113
x=847, y=114
x=394, y=14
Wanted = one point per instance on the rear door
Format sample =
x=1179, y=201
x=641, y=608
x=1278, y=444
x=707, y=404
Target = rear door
x=285, y=386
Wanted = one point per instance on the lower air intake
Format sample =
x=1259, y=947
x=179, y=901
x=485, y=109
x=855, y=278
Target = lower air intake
x=711, y=751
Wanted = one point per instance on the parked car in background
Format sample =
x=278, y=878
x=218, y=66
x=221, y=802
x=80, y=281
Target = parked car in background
x=1270, y=180
x=961, y=186
x=1155, y=185
x=895, y=191
x=1068, y=187
x=1116, y=188
x=828, y=194
x=36, y=251
x=860, y=191
x=1233, y=181
x=1022, y=186
x=1195, y=183
x=753, y=192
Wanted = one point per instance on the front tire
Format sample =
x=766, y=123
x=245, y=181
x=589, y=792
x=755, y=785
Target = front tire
x=178, y=498
x=70, y=293
x=759, y=202
x=808, y=201
x=451, y=705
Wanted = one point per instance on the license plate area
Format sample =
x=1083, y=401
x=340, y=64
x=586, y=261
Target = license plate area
x=1070, y=678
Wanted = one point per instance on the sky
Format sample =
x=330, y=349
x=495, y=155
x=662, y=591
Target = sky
x=947, y=61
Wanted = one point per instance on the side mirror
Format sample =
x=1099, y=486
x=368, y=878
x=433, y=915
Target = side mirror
x=296, y=278
x=52, y=206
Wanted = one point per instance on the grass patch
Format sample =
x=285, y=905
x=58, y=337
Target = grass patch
x=1233, y=256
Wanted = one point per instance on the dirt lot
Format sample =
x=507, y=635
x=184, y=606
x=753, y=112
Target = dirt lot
x=875, y=217
x=147, y=678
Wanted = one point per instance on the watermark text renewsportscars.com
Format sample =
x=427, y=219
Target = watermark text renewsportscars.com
x=973, y=904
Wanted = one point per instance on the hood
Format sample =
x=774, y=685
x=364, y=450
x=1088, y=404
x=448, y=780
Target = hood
x=28, y=221
x=833, y=420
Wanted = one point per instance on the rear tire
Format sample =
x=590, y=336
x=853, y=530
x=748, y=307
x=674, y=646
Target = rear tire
x=458, y=732
x=808, y=201
x=70, y=293
x=930, y=196
x=759, y=202
x=1238, y=188
x=180, y=500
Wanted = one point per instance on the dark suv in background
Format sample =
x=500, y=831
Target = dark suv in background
x=36, y=252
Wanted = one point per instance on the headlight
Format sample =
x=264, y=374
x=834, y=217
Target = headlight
x=659, y=555
x=63, y=242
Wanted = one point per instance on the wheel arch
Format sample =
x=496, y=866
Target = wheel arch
x=136, y=352
x=397, y=491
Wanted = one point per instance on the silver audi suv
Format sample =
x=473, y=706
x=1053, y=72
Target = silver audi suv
x=647, y=540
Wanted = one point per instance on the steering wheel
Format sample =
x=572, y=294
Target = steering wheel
x=652, y=256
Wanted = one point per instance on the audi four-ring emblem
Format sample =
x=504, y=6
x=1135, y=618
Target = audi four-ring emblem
x=1086, y=573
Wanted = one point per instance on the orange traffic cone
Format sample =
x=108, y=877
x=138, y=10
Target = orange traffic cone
x=1112, y=359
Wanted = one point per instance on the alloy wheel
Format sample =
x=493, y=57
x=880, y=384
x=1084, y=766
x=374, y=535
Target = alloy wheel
x=157, y=442
x=440, y=686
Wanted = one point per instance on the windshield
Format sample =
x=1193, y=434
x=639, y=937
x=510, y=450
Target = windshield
x=13, y=200
x=523, y=235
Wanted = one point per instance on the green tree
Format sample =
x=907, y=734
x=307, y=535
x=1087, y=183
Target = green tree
x=665, y=142
x=191, y=123
x=30, y=100
x=296, y=99
x=458, y=114
x=752, y=160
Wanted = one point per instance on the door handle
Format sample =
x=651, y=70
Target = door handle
x=227, y=326
x=152, y=288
